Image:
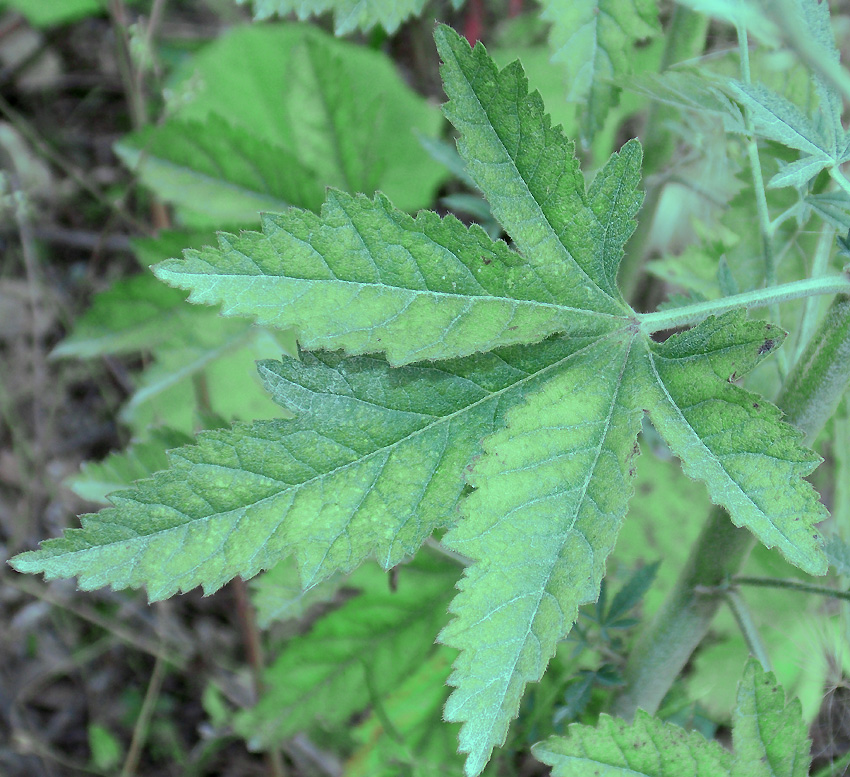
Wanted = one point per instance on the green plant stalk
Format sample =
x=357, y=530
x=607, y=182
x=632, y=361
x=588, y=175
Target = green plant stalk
x=745, y=623
x=794, y=585
x=685, y=40
x=765, y=225
x=810, y=395
x=820, y=266
x=758, y=298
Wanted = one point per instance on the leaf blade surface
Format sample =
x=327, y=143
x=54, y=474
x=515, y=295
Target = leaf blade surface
x=551, y=492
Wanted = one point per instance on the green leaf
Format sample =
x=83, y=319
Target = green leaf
x=646, y=747
x=218, y=172
x=372, y=472
x=770, y=737
x=119, y=469
x=363, y=650
x=593, y=40
x=529, y=174
x=49, y=13
x=832, y=207
x=349, y=15
x=692, y=90
x=732, y=439
x=632, y=592
x=278, y=594
x=341, y=110
x=419, y=739
x=798, y=173
x=770, y=740
x=365, y=277
x=838, y=553
x=777, y=118
x=551, y=492
x=135, y=314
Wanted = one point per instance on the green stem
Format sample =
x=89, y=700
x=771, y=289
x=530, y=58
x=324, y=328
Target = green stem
x=820, y=267
x=748, y=627
x=758, y=298
x=809, y=396
x=794, y=585
x=685, y=39
x=765, y=224
x=840, y=178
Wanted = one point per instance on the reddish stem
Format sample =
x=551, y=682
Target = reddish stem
x=473, y=27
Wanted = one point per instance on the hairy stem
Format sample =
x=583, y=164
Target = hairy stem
x=794, y=585
x=748, y=628
x=765, y=226
x=758, y=298
x=809, y=396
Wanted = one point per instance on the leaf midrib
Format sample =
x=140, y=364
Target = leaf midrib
x=165, y=269
x=584, y=488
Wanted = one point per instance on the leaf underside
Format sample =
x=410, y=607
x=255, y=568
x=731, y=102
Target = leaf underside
x=534, y=352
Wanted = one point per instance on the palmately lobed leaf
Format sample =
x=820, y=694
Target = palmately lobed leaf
x=549, y=367
x=365, y=277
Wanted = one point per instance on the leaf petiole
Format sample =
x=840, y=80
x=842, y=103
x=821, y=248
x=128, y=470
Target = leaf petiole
x=757, y=298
